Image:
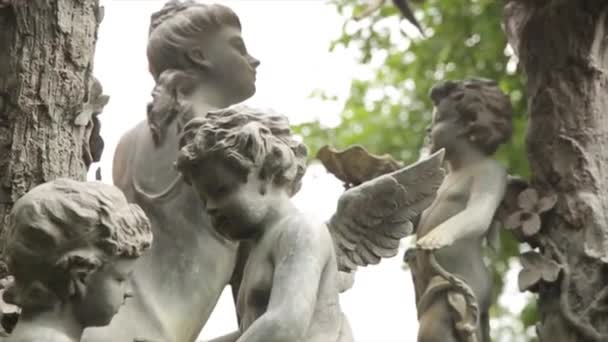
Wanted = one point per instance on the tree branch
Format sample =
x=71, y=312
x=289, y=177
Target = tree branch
x=586, y=330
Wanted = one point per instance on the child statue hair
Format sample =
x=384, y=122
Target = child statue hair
x=65, y=227
x=246, y=139
x=482, y=106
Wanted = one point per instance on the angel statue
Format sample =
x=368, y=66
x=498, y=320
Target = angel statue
x=245, y=165
x=472, y=118
x=71, y=247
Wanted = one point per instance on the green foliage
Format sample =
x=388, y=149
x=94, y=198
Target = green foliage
x=389, y=111
x=529, y=314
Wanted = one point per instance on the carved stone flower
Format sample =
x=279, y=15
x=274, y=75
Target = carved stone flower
x=87, y=119
x=527, y=218
x=94, y=106
x=536, y=268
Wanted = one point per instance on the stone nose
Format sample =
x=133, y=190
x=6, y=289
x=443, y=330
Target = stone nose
x=254, y=62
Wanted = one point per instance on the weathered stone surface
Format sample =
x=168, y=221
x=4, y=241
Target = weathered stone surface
x=563, y=49
x=46, y=62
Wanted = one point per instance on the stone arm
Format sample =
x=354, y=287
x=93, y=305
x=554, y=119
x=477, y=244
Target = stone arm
x=300, y=257
x=487, y=191
x=243, y=251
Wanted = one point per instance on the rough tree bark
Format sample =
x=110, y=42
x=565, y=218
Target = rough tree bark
x=563, y=49
x=46, y=59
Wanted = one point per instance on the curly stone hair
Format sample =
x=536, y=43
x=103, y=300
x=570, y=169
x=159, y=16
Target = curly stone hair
x=64, y=227
x=247, y=139
x=482, y=106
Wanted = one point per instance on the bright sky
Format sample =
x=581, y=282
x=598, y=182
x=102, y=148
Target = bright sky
x=291, y=39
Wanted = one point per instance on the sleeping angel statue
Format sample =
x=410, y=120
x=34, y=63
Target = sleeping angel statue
x=245, y=165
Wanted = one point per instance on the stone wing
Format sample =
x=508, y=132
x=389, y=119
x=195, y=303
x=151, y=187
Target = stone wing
x=373, y=217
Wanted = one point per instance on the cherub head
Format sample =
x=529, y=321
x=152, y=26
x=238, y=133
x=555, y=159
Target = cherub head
x=241, y=161
x=204, y=40
x=72, y=245
x=472, y=112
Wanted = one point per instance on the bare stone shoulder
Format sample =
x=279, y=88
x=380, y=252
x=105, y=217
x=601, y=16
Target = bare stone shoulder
x=491, y=170
x=123, y=154
x=302, y=231
x=493, y=166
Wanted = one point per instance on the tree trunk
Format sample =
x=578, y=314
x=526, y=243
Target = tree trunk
x=563, y=49
x=46, y=59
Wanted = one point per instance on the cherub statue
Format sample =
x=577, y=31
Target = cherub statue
x=199, y=62
x=472, y=118
x=71, y=247
x=245, y=166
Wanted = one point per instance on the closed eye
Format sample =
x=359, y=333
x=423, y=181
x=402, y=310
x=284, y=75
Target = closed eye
x=121, y=277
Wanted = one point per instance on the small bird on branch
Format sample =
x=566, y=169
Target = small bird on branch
x=402, y=5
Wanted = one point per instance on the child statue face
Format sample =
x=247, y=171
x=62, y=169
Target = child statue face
x=446, y=127
x=105, y=291
x=237, y=207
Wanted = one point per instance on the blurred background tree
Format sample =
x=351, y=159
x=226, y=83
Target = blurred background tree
x=388, y=109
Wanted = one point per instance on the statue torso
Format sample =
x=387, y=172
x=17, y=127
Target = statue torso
x=328, y=322
x=464, y=257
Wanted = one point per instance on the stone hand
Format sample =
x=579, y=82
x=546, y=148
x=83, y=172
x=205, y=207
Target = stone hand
x=438, y=238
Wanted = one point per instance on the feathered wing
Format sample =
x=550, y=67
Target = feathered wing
x=373, y=217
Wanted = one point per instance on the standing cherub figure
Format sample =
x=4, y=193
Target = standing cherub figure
x=246, y=166
x=71, y=247
x=472, y=118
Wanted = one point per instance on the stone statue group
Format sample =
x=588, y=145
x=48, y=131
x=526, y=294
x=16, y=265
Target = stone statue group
x=202, y=200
